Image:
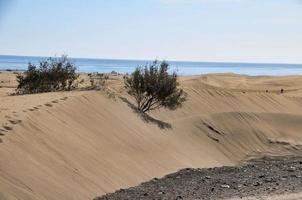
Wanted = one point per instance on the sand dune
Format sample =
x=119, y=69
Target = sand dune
x=81, y=144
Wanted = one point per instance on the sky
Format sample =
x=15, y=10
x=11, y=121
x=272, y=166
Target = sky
x=264, y=31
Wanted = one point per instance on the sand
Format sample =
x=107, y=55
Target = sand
x=82, y=144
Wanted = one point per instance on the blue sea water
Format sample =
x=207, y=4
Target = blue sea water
x=182, y=67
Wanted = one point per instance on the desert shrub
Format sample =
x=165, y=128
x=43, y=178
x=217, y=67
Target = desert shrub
x=52, y=74
x=153, y=87
x=97, y=80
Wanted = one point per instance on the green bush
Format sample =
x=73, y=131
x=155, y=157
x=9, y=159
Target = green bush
x=153, y=87
x=97, y=80
x=53, y=74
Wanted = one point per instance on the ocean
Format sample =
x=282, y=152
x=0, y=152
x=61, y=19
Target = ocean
x=181, y=67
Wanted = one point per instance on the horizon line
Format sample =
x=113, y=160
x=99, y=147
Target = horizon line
x=172, y=60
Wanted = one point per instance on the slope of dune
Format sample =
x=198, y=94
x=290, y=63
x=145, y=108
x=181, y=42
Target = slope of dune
x=81, y=144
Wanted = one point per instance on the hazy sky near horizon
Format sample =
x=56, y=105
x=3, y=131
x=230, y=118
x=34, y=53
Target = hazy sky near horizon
x=197, y=30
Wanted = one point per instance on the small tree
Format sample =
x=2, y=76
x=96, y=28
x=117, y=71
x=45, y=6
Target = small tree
x=53, y=74
x=153, y=87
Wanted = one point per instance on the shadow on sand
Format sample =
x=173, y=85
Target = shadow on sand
x=145, y=117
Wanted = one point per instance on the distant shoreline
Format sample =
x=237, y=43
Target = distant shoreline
x=183, y=68
x=197, y=75
x=150, y=60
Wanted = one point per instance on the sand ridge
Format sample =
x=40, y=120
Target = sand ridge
x=82, y=144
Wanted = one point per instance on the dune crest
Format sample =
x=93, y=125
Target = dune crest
x=81, y=144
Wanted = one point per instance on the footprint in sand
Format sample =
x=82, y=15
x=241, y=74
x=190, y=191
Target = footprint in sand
x=2, y=130
x=31, y=109
x=48, y=104
x=8, y=128
x=64, y=98
x=16, y=121
x=55, y=101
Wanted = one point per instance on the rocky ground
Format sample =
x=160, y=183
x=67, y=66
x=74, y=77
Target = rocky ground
x=259, y=177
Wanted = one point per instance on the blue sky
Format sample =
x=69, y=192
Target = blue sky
x=197, y=30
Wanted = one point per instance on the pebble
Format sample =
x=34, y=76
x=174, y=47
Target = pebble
x=291, y=169
x=269, y=180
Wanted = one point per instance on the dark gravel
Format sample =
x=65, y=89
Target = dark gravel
x=258, y=177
